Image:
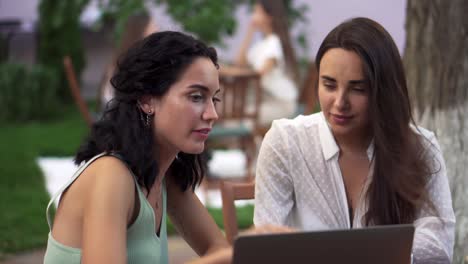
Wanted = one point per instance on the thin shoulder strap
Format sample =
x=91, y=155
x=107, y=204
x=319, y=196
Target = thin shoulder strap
x=118, y=156
x=73, y=178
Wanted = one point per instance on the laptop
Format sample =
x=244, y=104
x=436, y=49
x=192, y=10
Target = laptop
x=391, y=244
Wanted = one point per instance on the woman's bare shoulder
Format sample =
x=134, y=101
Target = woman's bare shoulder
x=105, y=191
x=106, y=177
x=111, y=171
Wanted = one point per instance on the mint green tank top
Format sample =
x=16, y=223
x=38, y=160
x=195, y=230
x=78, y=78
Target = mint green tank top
x=143, y=244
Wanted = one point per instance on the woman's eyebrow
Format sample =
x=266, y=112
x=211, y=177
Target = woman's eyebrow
x=358, y=81
x=202, y=87
x=328, y=78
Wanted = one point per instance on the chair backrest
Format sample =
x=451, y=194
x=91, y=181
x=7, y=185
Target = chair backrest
x=238, y=121
x=230, y=192
x=75, y=91
x=241, y=97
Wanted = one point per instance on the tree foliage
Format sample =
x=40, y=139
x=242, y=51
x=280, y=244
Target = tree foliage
x=60, y=35
x=209, y=20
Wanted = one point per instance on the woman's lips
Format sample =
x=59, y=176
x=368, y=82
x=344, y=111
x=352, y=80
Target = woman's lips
x=202, y=133
x=341, y=119
x=203, y=130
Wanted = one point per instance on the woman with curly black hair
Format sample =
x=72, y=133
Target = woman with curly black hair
x=142, y=161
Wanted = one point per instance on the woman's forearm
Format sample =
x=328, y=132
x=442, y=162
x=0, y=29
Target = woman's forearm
x=222, y=256
x=241, y=59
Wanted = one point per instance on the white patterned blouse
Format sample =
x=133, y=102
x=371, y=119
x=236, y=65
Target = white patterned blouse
x=299, y=184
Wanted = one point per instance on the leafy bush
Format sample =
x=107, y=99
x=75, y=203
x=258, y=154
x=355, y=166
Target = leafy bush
x=27, y=94
x=3, y=49
x=210, y=20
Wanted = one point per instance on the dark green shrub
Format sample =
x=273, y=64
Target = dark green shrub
x=27, y=93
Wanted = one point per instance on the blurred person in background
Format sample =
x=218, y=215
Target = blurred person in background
x=272, y=57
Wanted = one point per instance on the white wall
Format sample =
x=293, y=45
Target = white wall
x=326, y=14
x=23, y=9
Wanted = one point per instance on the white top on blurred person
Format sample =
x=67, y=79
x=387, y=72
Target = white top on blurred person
x=272, y=58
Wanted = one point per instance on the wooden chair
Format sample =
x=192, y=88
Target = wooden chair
x=241, y=97
x=76, y=92
x=230, y=192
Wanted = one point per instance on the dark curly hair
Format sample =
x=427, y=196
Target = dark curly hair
x=150, y=67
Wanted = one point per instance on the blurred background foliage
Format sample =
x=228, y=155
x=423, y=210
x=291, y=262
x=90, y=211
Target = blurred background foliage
x=209, y=20
x=59, y=34
x=27, y=93
x=37, y=115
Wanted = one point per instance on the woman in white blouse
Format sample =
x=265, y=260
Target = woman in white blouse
x=361, y=161
x=272, y=57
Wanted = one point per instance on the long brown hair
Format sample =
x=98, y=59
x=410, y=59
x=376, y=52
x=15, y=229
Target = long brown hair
x=277, y=11
x=400, y=168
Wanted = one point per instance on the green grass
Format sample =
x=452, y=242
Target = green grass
x=22, y=190
x=23, y=197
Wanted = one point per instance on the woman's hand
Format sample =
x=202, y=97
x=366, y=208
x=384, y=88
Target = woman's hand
x=224, y=256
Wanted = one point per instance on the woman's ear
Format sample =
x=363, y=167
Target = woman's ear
x=146, y=104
